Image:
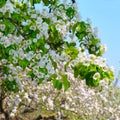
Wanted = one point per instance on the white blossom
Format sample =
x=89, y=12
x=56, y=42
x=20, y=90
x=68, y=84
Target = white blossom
x=96, y=76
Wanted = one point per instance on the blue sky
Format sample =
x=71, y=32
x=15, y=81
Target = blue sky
x=105, y=14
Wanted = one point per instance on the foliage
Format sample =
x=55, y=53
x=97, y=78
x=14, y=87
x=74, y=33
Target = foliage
x=81, y=102
x=47, y=45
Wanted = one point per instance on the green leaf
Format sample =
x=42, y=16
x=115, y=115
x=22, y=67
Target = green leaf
x=26, y=28
x=40, y=80
x=66, y=65
x=33, y=33
x=10, y=85
x=32, y=47
x=70, y=12
x=40, y=45
x=90, y=81
x=82, y=26
x=2, y=3
x=71, y=44
x=94, y=41
x=9, y=27
x=43, y=70
x=47, y=20
x=74, y=27
x=6, y=15
x=76, y=72
x=1, y=14
x=81, y=35
x=5, y=70
x=10, y=58
x=46, y=2
x=49, y=2
x=31, y=74
x=65, y=82
x=55, y=40
x=72, y=51
x=57, y=84
x=53, y=62
x=37, y=1
x=52, y=77
x=53, y=2
x=80, y=70
x=93, y=68
x=13, y=46
x=4, y=52
x=60, y=5
x=23, y=63
x=108, y=75
x=16, y=17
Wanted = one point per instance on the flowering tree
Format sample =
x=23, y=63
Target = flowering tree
x=46, y=45
x=101, y=103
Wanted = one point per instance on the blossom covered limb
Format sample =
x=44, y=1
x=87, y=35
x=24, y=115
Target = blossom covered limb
x=41, y=46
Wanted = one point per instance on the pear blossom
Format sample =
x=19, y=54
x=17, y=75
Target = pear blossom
x=96, y=76
x=46, y=47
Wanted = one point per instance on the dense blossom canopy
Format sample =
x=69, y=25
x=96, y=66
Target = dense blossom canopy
x=46, y=45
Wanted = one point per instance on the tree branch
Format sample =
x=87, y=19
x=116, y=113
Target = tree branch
x=73, y=1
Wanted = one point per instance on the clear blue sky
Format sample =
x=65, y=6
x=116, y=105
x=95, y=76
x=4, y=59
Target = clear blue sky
x=105, y=14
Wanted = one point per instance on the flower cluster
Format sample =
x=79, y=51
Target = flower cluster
x=48, y=45
x=87, y=103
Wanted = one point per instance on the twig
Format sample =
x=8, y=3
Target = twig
x=73, y=1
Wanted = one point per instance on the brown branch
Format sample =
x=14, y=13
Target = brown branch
x=3, y=106
x=73, y=1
